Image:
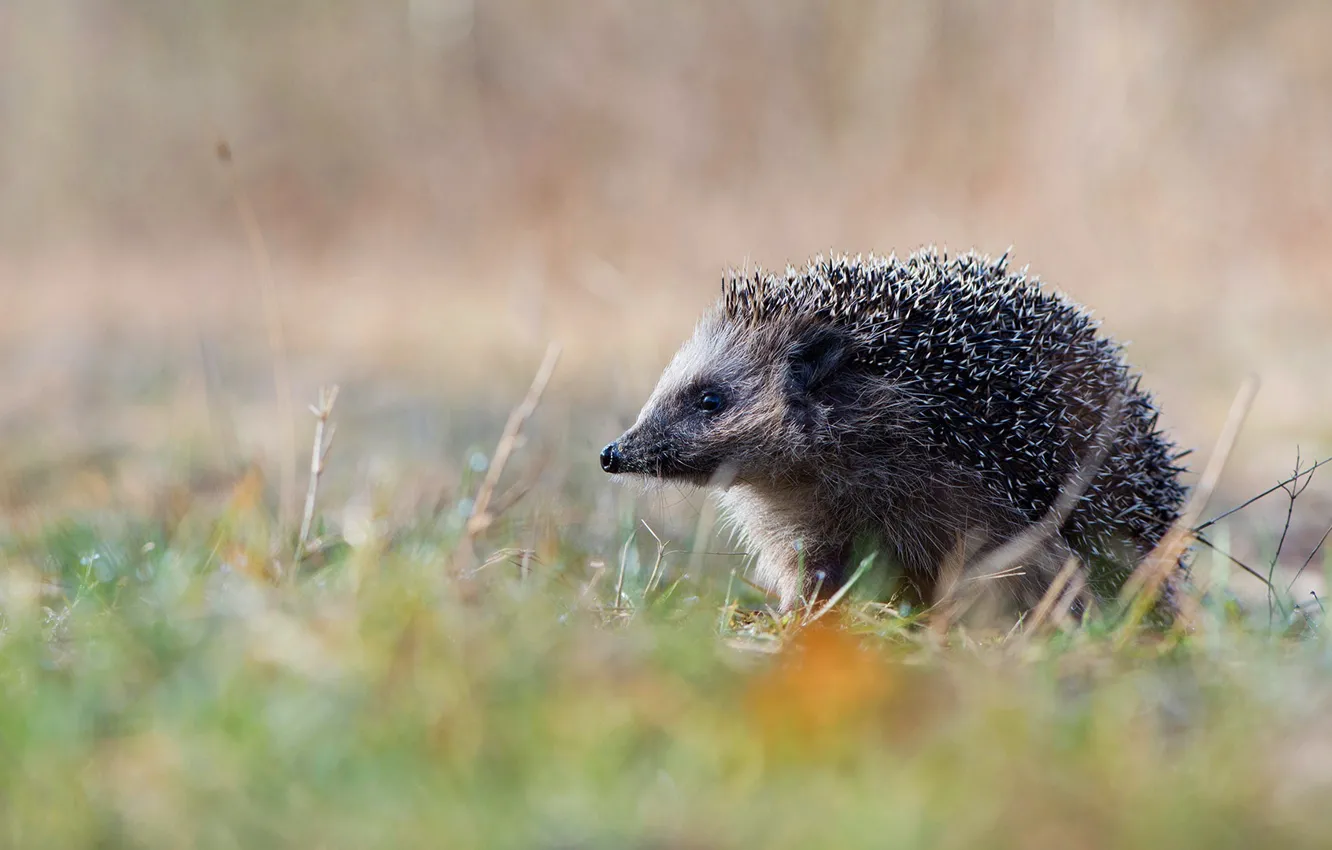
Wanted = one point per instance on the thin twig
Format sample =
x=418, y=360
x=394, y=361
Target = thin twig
x=263, y=264
x=1236, y=561
x=1016, y=627
x=619, y=580
x=1269, y=491
x=767, y=593
x=525, y=565
x=656, y=564
x=1309, y=560
x=481, y=514
x=1293, y=489
x=1007, y=572
x=727, y=612
x=819, y=575
x=323, y=439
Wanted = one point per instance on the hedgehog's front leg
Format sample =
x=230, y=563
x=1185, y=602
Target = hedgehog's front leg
x=796, y=560
x=801, y=569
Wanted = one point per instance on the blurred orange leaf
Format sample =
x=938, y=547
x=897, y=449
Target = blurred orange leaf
x=824, y=688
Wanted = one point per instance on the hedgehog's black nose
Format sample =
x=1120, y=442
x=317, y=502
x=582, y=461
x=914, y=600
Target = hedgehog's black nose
x=610, y=459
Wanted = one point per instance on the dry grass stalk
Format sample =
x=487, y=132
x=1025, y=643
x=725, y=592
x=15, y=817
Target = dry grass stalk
x=1141, y=589
x=1077, y=587
x=619, y=579
x=323, y=439
x=482, y=516
x=1054, y=595
x=655, y=575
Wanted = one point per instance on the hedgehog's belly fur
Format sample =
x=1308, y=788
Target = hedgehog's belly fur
x=805, y=548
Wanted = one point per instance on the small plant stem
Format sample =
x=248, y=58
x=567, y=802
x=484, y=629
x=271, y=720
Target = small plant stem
x=323, y=439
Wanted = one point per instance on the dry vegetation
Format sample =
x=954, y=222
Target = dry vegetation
x=420, y=197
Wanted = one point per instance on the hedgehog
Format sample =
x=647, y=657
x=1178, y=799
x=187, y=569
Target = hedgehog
x=926, y=411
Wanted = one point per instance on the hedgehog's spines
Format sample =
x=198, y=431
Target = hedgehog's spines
x=1008, y=375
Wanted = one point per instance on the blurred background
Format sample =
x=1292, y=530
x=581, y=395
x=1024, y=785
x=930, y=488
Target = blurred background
x=416, y=197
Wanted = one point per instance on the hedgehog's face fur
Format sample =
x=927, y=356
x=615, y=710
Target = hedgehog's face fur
x=733, y=405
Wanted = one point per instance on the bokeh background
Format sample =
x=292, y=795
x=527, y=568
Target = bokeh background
x=422, y=194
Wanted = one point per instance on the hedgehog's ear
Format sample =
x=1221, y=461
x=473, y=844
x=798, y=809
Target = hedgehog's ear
x=813, y=359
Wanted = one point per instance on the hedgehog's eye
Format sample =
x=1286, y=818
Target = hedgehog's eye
x=710, y=401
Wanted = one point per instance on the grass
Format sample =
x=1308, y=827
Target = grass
x=174, y=683
x=547, y=674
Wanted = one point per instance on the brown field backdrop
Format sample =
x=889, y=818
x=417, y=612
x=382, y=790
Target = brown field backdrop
x=444, y=186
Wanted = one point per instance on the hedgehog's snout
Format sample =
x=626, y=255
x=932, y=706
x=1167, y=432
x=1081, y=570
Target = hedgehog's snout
x=627, y=454
x=611, y=459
